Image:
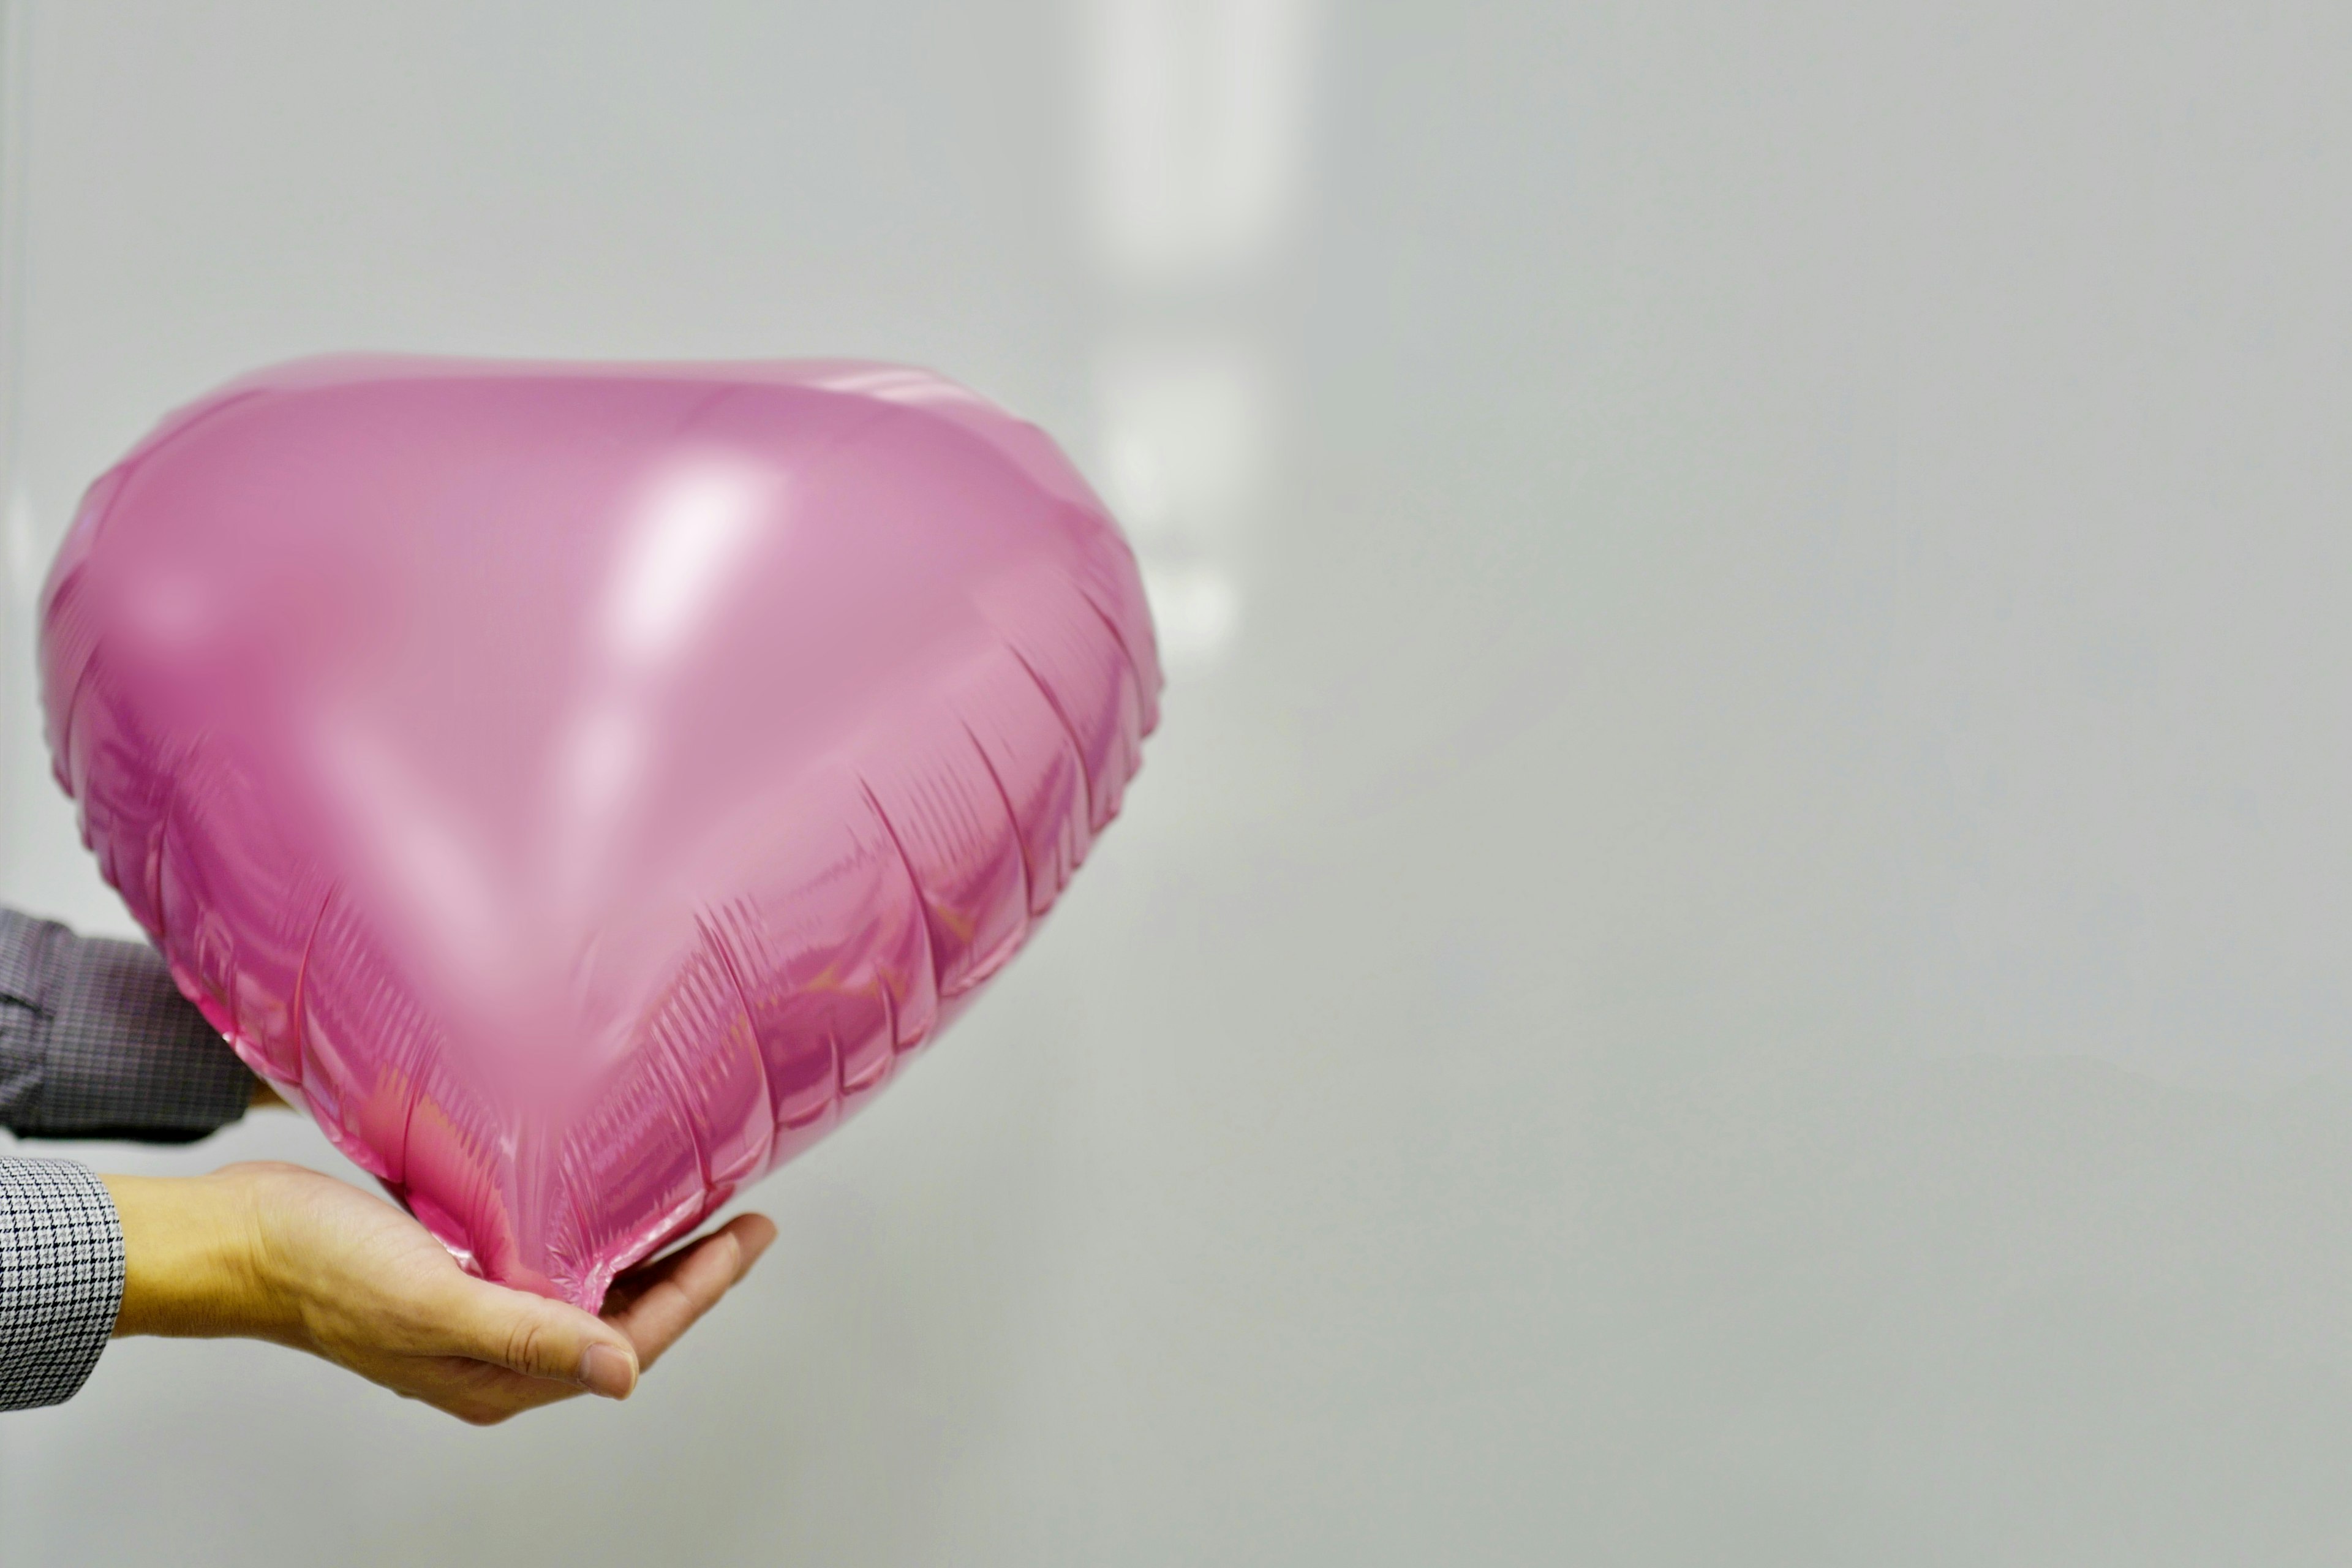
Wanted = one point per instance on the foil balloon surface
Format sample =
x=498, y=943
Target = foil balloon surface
x=580, y=787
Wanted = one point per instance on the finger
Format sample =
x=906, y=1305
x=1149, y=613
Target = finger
x=482, y=1394
x=757, y=1233
x=752, y=1233
x=540, y=1338
x=681, y=1291
x=687, y=1284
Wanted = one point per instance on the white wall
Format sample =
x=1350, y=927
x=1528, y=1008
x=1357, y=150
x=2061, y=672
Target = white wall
x=1733, y=951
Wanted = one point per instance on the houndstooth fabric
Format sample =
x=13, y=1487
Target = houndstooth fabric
x=60, y=1279
x=95, y=1042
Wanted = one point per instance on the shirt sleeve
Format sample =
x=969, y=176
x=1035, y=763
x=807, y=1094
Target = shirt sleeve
x=60, y=1279
x=97, y=1042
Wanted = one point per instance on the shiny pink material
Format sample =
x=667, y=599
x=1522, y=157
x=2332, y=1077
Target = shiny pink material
x=582, y=787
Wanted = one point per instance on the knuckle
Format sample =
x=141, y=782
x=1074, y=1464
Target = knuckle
x=529, y=1345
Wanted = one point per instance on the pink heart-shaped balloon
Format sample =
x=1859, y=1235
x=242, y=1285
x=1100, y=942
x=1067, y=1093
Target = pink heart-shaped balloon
x=582, y=786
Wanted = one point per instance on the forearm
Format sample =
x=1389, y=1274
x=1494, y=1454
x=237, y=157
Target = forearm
x=192, y=1258
x=97, y=1042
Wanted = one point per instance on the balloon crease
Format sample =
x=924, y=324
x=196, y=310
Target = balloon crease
x=922, y=910
x=717, y=942
x=1070, y=731
x=1012, y=825
x=299, y=1014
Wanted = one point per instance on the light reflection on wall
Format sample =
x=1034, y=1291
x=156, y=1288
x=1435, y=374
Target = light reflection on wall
x=1195, y=117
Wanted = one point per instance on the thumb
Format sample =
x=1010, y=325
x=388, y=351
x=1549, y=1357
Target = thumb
x=543, y=1338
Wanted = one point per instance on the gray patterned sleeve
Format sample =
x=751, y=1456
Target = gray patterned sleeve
x=60, y=1279
x=97, y=1042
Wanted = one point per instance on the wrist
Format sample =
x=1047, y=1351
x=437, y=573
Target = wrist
x=191, y=1258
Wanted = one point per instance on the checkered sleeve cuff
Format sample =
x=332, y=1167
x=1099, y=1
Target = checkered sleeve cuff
x=97, y=1042
x=60, y=1279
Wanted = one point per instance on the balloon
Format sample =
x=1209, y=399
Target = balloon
x=580, y=787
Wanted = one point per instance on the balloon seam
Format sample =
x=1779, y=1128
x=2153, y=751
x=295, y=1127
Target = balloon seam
x=66, y=731
x=1087, y=591
x=130, y=470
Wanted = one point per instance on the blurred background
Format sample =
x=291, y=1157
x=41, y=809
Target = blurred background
x=1732, y=950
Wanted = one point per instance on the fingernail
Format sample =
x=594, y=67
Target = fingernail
x=607, y=1371
x=750, y=1253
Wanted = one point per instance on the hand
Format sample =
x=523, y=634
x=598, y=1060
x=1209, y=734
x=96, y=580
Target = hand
x=276, y=1252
